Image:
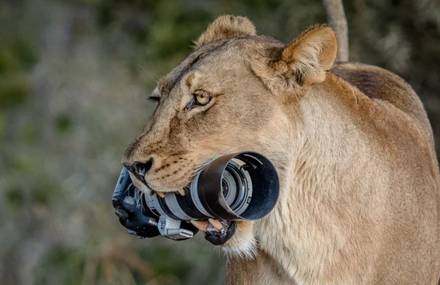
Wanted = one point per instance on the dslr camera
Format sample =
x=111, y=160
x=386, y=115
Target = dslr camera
x=240, y=186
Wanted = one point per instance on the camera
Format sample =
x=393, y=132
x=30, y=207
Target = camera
x=240, y=186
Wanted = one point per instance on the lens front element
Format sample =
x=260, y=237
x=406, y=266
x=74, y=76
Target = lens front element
x=237, y=186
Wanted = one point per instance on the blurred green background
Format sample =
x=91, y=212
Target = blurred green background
x=74, y=77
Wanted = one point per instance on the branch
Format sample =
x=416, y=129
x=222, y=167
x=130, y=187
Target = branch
x=337, y=20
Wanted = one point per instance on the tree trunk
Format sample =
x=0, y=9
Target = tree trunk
x=337, y=20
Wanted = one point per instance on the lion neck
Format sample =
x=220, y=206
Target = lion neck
x=296, y=235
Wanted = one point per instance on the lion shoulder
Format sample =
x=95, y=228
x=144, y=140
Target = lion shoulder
x=382, y=85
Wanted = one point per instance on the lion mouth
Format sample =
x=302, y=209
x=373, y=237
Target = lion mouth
x=219, y=238
x=216, y=231
x=144, y=186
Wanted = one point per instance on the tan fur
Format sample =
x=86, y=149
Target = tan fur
x=353, y=147
x=225, y=27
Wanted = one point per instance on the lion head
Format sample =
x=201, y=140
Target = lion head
x=237, y=91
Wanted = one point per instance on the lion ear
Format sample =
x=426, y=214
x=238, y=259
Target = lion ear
x=306, y=59
x=225, y=27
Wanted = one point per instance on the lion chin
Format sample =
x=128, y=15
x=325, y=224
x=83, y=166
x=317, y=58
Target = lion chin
x=243, y=243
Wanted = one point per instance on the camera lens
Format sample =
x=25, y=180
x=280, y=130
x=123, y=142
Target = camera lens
x=240, y=186
x=236, y=186
x=233, y=187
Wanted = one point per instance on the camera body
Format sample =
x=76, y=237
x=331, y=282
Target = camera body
x=241, y=186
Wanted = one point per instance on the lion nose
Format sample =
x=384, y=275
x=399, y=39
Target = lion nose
x=140, y=169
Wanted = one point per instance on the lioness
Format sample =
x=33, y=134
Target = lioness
x=354, y=150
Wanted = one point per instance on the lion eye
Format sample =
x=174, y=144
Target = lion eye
x=201, y=97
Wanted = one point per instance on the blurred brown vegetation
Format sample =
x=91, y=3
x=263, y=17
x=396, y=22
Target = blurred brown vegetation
x=74, y=76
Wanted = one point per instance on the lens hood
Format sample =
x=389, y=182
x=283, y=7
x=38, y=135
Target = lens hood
x=265, y=187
